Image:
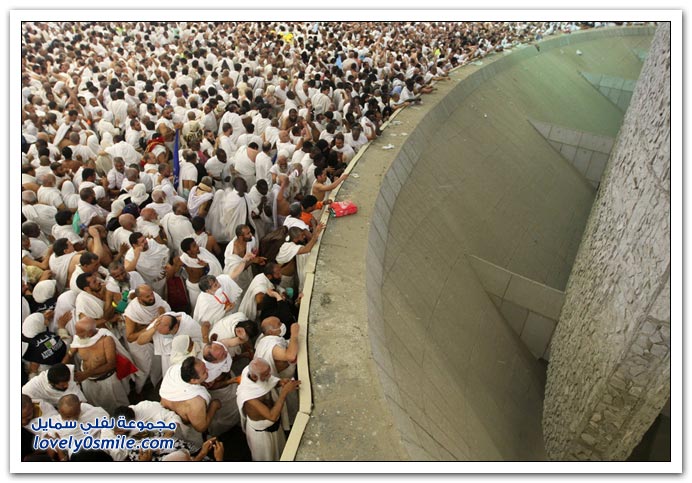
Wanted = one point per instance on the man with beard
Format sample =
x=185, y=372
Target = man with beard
x=150, y=260
x=197, y=262
x=53, y=384
x=240, y=254
x=89, y=212
x=294, y=253
x=140, y=312
x=94, y=300
x=98, y=350
x=262, y=409
x=281, y=166
x=219, y=297
x=122, y=284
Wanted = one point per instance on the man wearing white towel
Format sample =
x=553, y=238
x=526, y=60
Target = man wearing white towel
x=182, y=392
x=140, y=312
x=98, y=351
x=262, y=409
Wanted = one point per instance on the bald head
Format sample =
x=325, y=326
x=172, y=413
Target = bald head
x=180, y=208
x=127, y=221
x=132, y=174
x=48, y=180
x=149, y=214
x=85, y=327
x=69, y=407
x=270, y=324
x=158, y=196
x=259, y=369
x=28, y=197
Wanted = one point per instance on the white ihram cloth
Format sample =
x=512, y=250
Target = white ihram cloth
x=65, y=303
x=174, y=388
x=231, y=260
x=264, y=349
x=151, y=265
x=111, y=392
x=225, y=329
x=211, y=307
x=264, y=222
x=88, y=414
x=179, y=349
x=49, y=195
x=47, y=411
x=60, y=266
x=264, y=445
x=43, y=215
x=149, y=229
x=161, y=209
x=259, y=284
x=245, y=167
x=287, y=252
x=119, y=236
x=196, y=199
x=214, y=219
x=87, y=211
x=89, y=305
x=65, y=231
x=214, y=269
x=237, y=211
x=40, y=388
x=143, y=355
x=177, y=228
x=227, y=416
x=163, y=344
x=290, y=222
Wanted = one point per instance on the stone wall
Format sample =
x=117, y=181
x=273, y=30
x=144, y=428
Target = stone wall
x=609, y=374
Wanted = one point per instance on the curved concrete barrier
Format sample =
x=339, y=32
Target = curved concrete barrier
x=410, y=356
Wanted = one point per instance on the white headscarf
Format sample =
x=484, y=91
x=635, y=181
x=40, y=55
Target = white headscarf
x=31, y=327
x=44, y=290
x=139, y=193
x=179, y=351
x=117, y=207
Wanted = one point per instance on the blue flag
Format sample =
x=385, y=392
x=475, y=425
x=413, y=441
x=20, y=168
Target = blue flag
x=315, y=27
x=176, y=160
x=338, y=62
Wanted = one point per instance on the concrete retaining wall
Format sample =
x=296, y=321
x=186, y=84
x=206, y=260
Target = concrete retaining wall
x=410, y=358
x=609, y=374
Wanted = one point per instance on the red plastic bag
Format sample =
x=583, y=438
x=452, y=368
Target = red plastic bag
x=123, y=366
x=343, y=208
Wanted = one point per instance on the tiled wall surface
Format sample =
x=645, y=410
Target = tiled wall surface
x=616, y=89
x=587, y=152
x=530, y=308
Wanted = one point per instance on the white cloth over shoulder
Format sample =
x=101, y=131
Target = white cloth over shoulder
x=259, y=284
x=174, y=388
x=213, y=307
x=40, y=388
